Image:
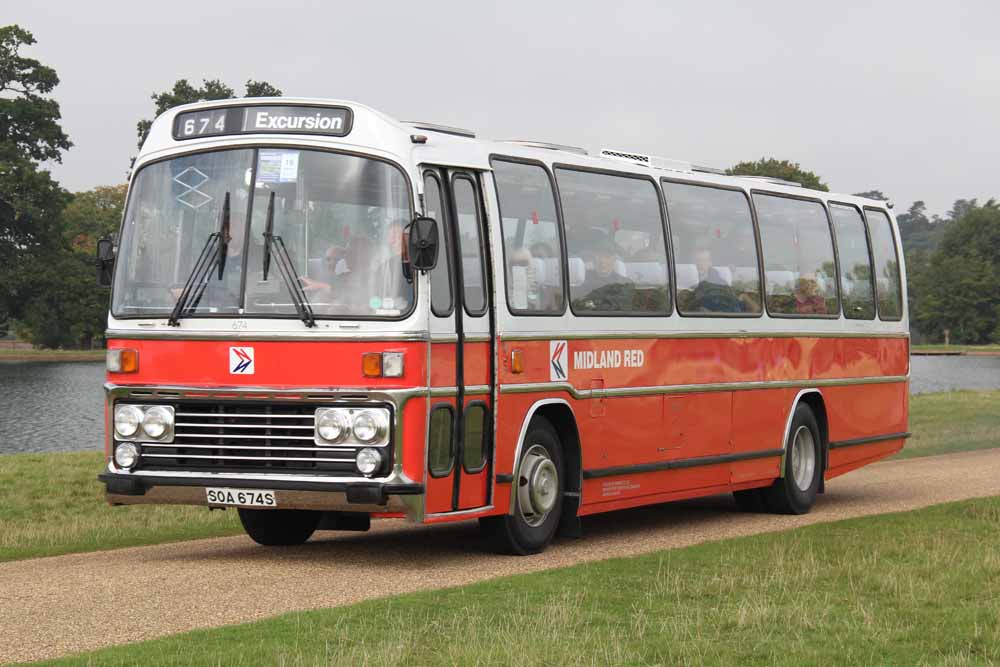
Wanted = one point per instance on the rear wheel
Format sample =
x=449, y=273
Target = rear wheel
x=795, y=492
x=279, y=528
x=538, y=492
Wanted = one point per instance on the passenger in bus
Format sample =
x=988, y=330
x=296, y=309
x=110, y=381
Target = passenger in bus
x=713, y=293
x=604, y=288
x=808, y=299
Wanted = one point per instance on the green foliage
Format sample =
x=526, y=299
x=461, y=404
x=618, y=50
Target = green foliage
x=958, y=287
x=783, y=169
x=211, y=89
x=30, y=201
x=872, y=194
x=29, y=122
x=92, y=215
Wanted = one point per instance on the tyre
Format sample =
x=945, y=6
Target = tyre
x=279, y=528
x=750, y=500
x=538, y=495
x=795, y=492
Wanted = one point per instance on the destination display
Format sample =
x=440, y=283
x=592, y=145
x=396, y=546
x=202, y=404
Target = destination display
x=272, y=119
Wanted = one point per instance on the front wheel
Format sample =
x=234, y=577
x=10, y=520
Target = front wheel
x=795, y=492
x=279, y=528
x=538, y=493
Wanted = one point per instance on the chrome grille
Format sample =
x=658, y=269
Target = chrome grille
x=247, y=437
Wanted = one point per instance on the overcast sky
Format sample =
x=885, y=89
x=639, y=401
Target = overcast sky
x=870, y=95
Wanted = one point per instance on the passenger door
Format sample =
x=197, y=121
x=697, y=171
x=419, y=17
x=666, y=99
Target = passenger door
x=460, y=452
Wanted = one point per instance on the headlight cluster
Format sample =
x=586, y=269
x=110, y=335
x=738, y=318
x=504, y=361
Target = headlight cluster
x=151, y=423
x=352, y=426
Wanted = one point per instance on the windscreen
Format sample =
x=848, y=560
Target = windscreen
x=339, y=220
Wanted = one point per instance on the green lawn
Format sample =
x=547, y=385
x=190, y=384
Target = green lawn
x=8, y=354
x=904, y=589
x=956, y=421
x=964, y=349
x=52, y=503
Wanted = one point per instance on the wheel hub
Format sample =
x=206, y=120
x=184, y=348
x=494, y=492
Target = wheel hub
x=538, y=485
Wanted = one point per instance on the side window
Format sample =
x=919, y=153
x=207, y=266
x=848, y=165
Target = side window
x=532, y=245
x=856, y=288
x=440, y=449
x=614, y=231
x=715, y=250
x=887, y=283
x=476, y=427
x=440, y=274
x=470, y=245
x=799, y=265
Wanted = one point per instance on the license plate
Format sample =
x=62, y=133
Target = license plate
x=241, y=497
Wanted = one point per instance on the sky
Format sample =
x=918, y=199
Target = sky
x=902, y=97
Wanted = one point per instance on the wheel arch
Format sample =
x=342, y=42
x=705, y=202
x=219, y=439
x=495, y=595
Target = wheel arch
x=560, y=414
x=814, y=398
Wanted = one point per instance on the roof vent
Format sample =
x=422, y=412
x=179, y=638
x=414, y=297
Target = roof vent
x=443, y=129
x=771, y=179
x=646, y=160
x=547, y=146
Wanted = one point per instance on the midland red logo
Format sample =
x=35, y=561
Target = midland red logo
x=558, y=357
x=241, y=361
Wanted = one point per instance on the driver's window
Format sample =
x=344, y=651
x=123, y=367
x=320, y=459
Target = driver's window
x=441, y=273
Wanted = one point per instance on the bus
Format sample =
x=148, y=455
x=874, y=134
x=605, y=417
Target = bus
x=321, y=315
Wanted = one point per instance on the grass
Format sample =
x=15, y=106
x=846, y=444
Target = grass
x=53, y=504
x=962, y=349
x=957, y=421
x=9, y=354
x=915, y=588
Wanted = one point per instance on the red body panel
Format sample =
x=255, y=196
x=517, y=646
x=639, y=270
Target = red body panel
x=614, y=430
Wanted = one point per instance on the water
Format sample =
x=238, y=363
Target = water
x=931, y=373
x=51, y=407
x=56, y=407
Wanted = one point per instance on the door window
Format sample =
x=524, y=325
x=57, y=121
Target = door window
x=441, y=273
x=470, y=246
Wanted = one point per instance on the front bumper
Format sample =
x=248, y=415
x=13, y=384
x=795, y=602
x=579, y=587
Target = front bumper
x=359, y=496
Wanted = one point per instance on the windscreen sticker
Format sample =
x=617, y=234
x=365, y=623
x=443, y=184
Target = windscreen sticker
x=277, y=166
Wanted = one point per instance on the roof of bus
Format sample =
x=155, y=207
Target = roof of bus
x=373, y=130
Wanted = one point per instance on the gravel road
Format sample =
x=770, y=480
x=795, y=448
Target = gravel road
x=65, y=604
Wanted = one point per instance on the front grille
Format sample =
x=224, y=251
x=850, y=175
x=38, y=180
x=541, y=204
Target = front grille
x=247, y=437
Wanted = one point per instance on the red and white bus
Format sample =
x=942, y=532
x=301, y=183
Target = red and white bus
x=322, y=315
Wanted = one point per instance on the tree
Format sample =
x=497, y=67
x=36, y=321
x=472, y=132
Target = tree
x=783, y=169
x=211, y=89
x=92, y=215
x=30, y=201
x=872, y=194
x=960, y=288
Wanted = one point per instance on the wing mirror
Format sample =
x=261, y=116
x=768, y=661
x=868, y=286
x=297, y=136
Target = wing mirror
x=105, y=261
x=422, y=243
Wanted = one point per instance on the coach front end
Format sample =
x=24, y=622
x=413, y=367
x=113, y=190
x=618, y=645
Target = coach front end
x=267, y=343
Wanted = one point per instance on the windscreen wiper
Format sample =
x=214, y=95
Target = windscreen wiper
x=286, y=269
x=212, y=253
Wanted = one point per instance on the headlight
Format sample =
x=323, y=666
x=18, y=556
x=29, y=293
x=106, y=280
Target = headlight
x=127, y=420
x=126, y=454
x=158, y=421
x=352, y=426
x=331, y=425
x=366, y=426
x=368, y=460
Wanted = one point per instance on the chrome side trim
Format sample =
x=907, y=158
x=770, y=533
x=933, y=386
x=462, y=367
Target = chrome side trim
x=580, y=394
x=471, y=390
x=474, y=510
x=520, y=441
x=237, y=336
x=603, y=335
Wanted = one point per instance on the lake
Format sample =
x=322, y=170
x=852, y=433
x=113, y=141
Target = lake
x=58, y=407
